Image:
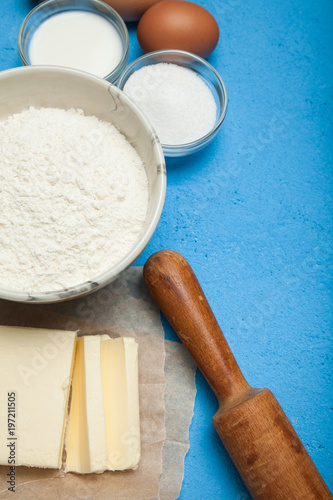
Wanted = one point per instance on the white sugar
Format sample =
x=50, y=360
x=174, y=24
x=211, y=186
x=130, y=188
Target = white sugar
x=178, y=103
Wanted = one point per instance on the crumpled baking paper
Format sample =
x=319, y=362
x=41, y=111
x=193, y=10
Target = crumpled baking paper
x=167, y=393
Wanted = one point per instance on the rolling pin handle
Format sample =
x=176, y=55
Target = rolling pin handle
x=176, y=289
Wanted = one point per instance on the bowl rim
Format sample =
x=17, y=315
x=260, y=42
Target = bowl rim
x=177, y=150
x=67, y=5
x=114, y=272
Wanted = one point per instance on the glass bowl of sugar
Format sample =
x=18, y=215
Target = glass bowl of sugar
x=87, y=35
x=182, y=96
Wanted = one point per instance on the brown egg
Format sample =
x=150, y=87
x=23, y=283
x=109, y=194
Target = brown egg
x=131, y=10
x=178, y=24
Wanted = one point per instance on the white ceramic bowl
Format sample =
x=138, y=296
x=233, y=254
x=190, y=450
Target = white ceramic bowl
x=46, y=86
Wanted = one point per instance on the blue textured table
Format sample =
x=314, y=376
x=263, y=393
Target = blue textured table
x=252, y=214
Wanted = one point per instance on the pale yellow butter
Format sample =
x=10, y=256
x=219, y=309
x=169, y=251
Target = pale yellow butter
x=121, y=402
x=103, y=431
x=36, y=365
x=86, y=436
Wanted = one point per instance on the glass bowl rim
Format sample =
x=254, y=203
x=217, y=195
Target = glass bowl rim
x=185, y=148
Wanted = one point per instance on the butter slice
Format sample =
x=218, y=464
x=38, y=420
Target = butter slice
x=86, y=435
x=119, y=365
x=36, y=364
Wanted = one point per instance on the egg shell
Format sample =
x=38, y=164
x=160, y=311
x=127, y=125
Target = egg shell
x=178, y=24
x=130, y=10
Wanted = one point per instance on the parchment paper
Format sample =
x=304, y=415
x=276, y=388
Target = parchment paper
x=179, y=400
x=167, y=393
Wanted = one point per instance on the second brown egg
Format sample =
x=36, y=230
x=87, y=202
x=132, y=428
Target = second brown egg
x=131, y=10
x=178, y=24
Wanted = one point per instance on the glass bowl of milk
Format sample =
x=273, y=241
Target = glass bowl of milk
x=82, y=34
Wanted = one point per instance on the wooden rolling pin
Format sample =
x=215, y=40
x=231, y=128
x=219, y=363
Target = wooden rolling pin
x=250, y=422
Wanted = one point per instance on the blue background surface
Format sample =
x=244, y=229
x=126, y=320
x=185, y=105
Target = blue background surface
x=253, y=215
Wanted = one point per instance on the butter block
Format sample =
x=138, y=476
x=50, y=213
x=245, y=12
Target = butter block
x=36, y=366
x=95, y=404
x=119, y=366
x=103, y=431
x=77, y=445
x=86, y=435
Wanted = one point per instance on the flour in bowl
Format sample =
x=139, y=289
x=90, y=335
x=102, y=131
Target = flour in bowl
x=73, y=198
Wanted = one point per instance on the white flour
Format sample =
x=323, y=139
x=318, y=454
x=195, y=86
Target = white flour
x=73, y=198
x=175, y=99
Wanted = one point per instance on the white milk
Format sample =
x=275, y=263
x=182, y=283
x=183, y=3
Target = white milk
x=77, y=39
